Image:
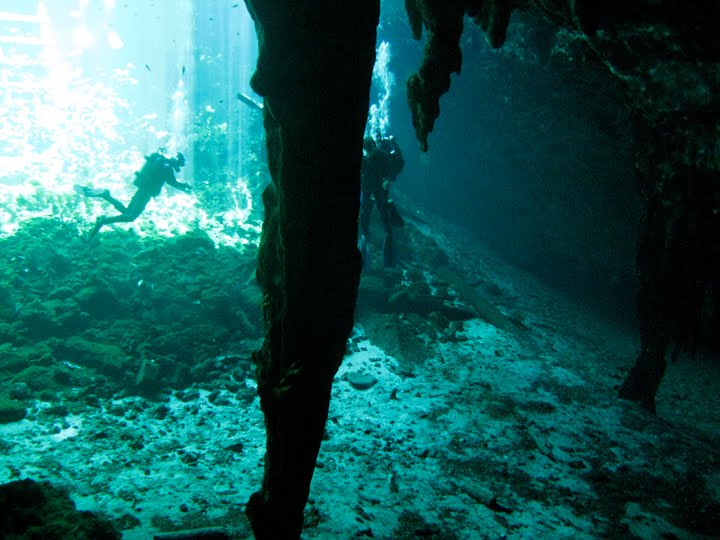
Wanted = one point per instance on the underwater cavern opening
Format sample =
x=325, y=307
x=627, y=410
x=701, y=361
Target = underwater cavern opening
x=469, y=398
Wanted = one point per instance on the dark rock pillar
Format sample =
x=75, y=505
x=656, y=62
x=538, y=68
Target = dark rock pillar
x=678, y=260
x=314, y=71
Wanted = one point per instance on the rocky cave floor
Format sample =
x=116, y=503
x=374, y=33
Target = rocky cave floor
x=131, y=363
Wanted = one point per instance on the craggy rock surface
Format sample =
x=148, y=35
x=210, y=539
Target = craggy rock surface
x=665, y=51
x=126, y=314
x=38, y=510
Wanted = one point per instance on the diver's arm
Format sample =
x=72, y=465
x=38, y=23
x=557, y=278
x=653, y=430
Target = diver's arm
x=172, y=181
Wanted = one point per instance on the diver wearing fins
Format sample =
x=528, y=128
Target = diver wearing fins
x=382, y=163
x=157, y=171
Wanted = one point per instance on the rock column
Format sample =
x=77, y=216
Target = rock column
x=314, y=71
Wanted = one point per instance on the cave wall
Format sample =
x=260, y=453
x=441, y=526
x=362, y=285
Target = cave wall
x=666, y=55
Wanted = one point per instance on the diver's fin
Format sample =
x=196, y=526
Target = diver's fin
x=90, y=192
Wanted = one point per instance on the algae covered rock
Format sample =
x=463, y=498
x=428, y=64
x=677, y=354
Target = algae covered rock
x=15, y=359
x=103, y=358
x=100, y=301
x=7, y=332
x=37, y=319
x=39, y=510
x=7, y=303
x=11, y=411
x=40, y=378
x=149, y=379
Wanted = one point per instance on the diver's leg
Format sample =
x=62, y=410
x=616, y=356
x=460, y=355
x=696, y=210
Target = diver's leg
x=103, y=194
x=381, y=199
x=364, y=233
x=388, y=250
x=98, y=225
x=133, y=210
x=366, y=205
x=131, y=213
x=105, y=220
x=120, y=218
x=137, y=205
x=120, y=207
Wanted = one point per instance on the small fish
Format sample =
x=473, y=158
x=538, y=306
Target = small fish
x=235, y=5
x=183, y=70
x=147, y=67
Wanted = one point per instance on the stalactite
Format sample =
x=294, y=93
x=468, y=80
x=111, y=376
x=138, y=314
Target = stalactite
x=443, y=22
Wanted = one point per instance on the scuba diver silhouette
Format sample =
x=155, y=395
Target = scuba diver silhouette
x=157, y=171
x=382, y=163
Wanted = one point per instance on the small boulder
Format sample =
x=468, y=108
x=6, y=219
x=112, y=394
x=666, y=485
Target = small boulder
x=11, y=411
x=148, y=377
x=360, y=380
